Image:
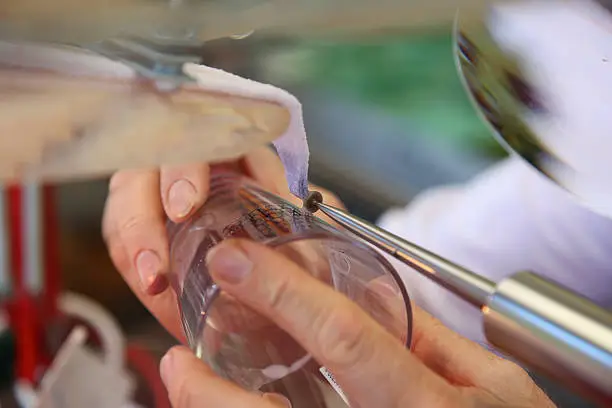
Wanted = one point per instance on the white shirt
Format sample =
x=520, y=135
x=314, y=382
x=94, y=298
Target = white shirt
x=508, y=219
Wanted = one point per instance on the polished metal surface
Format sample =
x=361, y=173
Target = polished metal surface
x=540, y=323
x=469, y=286
x=554, y=331
x=542, y=90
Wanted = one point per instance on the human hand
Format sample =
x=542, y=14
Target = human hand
x=374, y=369
x=134, y=223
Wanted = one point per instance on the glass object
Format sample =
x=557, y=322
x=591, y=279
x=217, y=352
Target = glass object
x=242, y=345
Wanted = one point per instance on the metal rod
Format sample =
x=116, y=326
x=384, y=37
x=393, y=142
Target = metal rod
x=538, y=322
x=471, y=287
x=554, y=331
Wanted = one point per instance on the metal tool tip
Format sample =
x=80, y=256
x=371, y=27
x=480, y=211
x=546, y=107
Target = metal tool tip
x=312, y=201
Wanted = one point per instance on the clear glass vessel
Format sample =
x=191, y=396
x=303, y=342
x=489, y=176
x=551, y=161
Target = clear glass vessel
x=239, y=343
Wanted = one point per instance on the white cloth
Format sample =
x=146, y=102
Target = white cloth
x=292, y=146
x=508, y=219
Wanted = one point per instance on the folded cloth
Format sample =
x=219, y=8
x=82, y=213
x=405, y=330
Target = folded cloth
x=292, y=146
x=95, y=115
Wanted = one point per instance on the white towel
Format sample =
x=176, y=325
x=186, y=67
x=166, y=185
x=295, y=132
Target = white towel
x=292, y=146
x=124, y=130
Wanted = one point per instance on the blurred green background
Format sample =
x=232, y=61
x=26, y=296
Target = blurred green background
x=411, y=76
x=386, y=115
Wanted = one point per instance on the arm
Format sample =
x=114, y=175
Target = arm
x=508, y=219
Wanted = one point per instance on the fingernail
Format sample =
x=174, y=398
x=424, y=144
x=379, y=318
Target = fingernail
x=228, y=263
x=148, y=266
x=160, y=284
x=277, y=399
x=165, y=367
x=181, y=198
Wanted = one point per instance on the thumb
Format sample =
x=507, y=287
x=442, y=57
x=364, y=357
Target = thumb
x=191, y=383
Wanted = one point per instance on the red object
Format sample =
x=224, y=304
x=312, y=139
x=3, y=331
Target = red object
x=24, y=318
x=25, y=323
x=143, y=363
x=28, y=312
x=15, y=233
x=31, y=315
x=51, y=258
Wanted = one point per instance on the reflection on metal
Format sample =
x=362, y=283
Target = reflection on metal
x=541, y=100
x=501, y=92
x=469, y=286
x=537, y=321
x=554, y=331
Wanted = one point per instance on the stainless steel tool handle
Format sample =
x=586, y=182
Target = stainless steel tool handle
x=555, y=331
x=540, y=323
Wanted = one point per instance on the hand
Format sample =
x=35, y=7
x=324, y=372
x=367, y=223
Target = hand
x=373, y=368
x=135, y=216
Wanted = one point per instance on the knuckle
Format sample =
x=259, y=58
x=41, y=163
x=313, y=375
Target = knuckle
x=136, y=232
x=343, y=338
x=134, y=224
x=502, y=370
x=508, y=369
x=169, y=175
x=452, y=400
x=118, y=255
x=115, y=247
x=278, y=295
x=182, y=392
x=108, y=232
x=194, y=173
x=118, y=180
x=183, y=170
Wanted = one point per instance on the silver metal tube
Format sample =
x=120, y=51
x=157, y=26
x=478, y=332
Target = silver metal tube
x=471, y=287
x=540, y=323
x=554, y=331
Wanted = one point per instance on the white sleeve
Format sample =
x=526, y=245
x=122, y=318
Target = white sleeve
x=506, y=220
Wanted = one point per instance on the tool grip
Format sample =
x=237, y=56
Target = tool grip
x=553, y=330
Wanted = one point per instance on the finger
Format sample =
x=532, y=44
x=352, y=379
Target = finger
x=333, y=329
x=465, y=363
x=184, y=189
x=191, y=384
x=134, y=231
x=446, y=352
x=134, y=221
x=278, y=400
x=452, y=356
x=264, y=166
